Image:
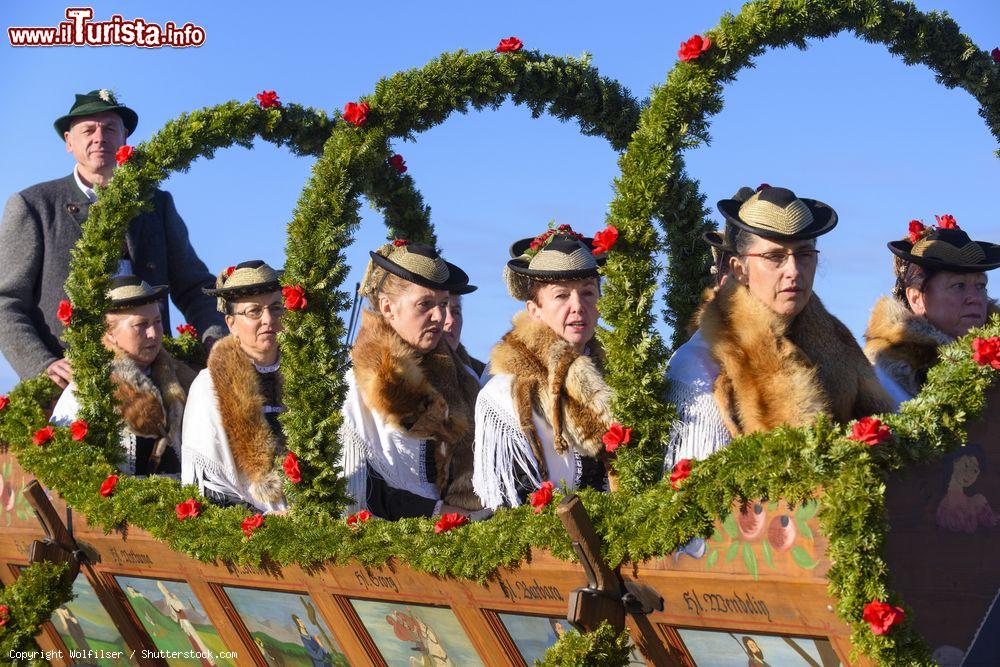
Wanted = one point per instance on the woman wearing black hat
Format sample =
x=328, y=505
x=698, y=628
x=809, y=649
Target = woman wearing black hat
x=766, y=352
x=151, y=386
x=542, y=415
x=231, y=430
x=409, y=409
x=940, y=294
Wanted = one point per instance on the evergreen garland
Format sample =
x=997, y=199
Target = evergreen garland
x=30, y=601
x=601, y=648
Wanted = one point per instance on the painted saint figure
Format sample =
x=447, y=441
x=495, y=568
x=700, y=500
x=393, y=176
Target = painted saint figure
x=958, y=511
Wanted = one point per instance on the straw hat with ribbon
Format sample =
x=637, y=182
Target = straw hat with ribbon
x=777, y=214
x=946, y=249
x=555, y=256
x=244, y=279
x=95, y=102
x=130, y=291
x=417, y=263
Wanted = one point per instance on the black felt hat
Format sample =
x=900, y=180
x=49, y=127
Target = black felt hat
x=948, y=250
x=423, y=265
x=777, y=214
x=564, y=255
x=94, y=102
x=130, y=291
x=245, y=279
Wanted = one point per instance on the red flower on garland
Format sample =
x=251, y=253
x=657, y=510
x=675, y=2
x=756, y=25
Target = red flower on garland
x=694, y=47
x=4, y=615
x=541, y=497
x=252, y=523
x=398, y=163
x=267, y=99
x=881, y=616
x=870, y=431
x=295, y=297
x=356, y=114
x=4, y=401
x=986, y=352
x=108, y=485
x=43, y=435
x=65, y=312
x=946, y=221
x=763, y=186
x=187, y=330
x=188, y=509
x=605, y=239
x=124, y=154
x=449, y=521
x=917, y=229
x=358, y=518
x=229, y=270
x=79, y=429
x=291, y=467
x=616, y=436
x=509, y=45
x=996, y=55
x=399, y=243
x=681, y=471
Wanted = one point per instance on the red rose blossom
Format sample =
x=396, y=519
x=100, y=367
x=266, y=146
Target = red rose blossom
x=4, y=401
x=229, y=270
x=108, y=485
x=616, y=436
x=996, y=55
x=694, y=47
x=124, y=154
x=870, y=431
x=946, y=221
x=449, y=521
x=187, y=329
x=251, y=523
x=4, y=615
x=399, y=243
x=605, y=239
x=187, y=509
x=79, y=429
x=398, y=163
x=509, y=45
x=356, y=114
x=541, y=497
x=268, y=99
x=916, y=230
x=680, y=473
x=295, y=297
x=291, y=467
x=763, y=186
x=358, y=518
x=65, y=312
x=986, y=352
x=881, y=616
x=43, y=435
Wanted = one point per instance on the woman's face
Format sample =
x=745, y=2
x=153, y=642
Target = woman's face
x=453, y=321
x=256, y=323
x=417, y=315
x=779, y=274
x=138, y=332
x=569, y=309
x=952, y=302
x=966, y=471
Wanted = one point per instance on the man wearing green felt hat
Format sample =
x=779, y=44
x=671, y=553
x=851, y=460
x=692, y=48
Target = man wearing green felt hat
x=42, y=223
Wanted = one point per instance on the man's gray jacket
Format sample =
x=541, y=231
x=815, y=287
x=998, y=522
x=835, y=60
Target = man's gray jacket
x=41, y=225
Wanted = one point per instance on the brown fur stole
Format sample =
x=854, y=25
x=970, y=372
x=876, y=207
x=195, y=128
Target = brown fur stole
x=428, y=395
x=549, y=377
x=470, y=361
x=241, y=408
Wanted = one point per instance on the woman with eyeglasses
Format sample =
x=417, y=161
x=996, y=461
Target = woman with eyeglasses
x=232, y=435
x=766, y=352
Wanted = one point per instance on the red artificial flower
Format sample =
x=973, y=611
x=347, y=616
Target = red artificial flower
x=291, y=466
x=65, y=312
x=398, y=163
x=187, y=329
x=251, y=523
x=509, y=45
x=187, y=509
x=79, y=429
x=680, y=473
x=996, y=55
x=763, y=186
x=358, y=518
x=229, y=270
x=399, y=243
x=108, y=486
x=985, y=352
x=694, y=47
x=4, y=615
x=870, y=431
x=4, y=401
x=124, y=154
x=356, y=114
x=541, y=497
x=295, y=297
x=449, y=521
x=917, y=230
x=268, y=99
x=881, y=616
x=43, y=435
x=605, y=239
x=616, y=436
x=946, y=221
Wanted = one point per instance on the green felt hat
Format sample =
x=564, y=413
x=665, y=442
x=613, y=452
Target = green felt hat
x=94, y=102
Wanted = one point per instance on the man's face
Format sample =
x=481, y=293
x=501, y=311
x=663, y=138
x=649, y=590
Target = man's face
x=94, y=140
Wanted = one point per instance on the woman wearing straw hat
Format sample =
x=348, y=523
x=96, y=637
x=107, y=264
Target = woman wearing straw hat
x=231, y=429
x=940, y=294
x=151, y=387
x=542, y=415
x=409, y=407
x=766, y=351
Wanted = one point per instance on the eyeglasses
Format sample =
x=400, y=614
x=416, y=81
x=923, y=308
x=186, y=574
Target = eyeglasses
x=779, y=259
x=257, y=312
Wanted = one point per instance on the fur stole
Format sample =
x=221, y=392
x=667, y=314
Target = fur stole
x=774, y=371
x=902, y=344
x=549, y=377
x=241, y=409
x=152, y=406
x=470, y=361
x=430, y=396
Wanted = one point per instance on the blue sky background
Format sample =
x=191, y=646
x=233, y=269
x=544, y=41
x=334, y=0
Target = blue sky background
x=844, y=122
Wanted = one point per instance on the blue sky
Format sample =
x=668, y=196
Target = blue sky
x=843, y=122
